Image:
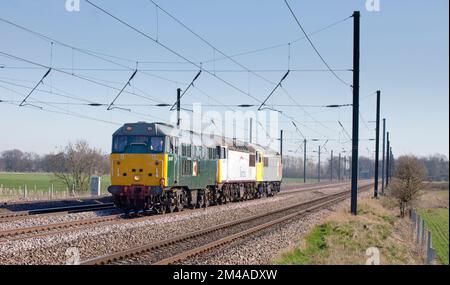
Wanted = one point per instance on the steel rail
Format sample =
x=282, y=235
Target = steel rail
x=242, y=234
x=129, y=253
x=13, y=216
x=45, y=230
x=63, y=209
x=226, y=240
x=37, y=229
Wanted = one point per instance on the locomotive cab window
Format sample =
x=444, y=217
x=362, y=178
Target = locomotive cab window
x=156, y=144
x=221, y=152
x=172, y=145
x=258, y=157
x=252, y=160
x=138, y=144
x=119, y=144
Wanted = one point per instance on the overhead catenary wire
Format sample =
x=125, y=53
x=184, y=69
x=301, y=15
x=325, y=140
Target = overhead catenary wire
x=313, y=46
x=291, y=118
x=187, y=88
x=64, y=72
x=298, y=130
x=91, y=53
x=364, y=122
x=209, y=44
x=141, y=115
x=305, y=70
x=68, y=95
x=282, y=44
x=261, y=107
x=60, y=110
x=90, y=104
x=46, y=91
x=111, y=105
x=345, y=131
x=178, y=70
x=307, y=113
x=170, y=50
x=34, y=88
x=68, y=73
x=219, y=105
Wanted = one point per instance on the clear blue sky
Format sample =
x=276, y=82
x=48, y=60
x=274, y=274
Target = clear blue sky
x=404, y=52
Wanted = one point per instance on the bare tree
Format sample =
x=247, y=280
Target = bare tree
x=12, y=160
x=76, y=164
x=409, y=176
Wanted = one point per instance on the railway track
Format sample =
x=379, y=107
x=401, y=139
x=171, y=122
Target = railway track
x=312, y=187
x=55, y=210
x=58, y=228
x=8, y=217
x=181, y=247
x=37, y=231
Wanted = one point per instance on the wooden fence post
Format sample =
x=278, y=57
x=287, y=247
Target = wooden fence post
x=430, y=250
x=418, y=229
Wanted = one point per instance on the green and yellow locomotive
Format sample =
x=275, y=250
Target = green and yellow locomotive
x=157, y=168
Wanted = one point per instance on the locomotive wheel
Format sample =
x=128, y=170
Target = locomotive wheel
x=170, y=202
x=170, y=208
x=206, y=197
x=221, y=199
x=181, y=201
x=213, y=196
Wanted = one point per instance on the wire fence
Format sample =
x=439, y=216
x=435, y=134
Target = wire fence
x=34, y=193
x=423, y=237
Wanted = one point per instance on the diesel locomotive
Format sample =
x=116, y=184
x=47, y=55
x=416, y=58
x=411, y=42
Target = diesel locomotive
x=157, y=168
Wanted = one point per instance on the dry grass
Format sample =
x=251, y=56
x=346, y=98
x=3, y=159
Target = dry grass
x=434, y=195
x=343, y=238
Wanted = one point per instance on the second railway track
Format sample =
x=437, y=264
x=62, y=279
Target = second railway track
x=178, y=248
x=63, y=227
x=12, y=216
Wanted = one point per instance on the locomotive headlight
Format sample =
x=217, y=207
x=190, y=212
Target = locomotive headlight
x=137, y=178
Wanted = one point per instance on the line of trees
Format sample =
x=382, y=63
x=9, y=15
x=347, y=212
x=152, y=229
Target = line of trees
x=18, y=161
x=436, y=167
x=63, y=161
x=73, y=165
x=293, y=167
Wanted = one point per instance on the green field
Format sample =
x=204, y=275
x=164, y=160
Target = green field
x=42, y=181
x=300, y=180
x=438, y=222
x=39, y=181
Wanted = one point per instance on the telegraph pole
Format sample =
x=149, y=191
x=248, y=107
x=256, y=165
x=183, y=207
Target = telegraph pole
x=304, y=161
x=331, y=166
x=387, y=159
x=250, y=139
x=281, y=145
x=339, y=168
x=178, y=107
x=318, y=168
x=384, y=155
x=355, y=128
x=377, y=144
x=345, y=167
x=391, y=164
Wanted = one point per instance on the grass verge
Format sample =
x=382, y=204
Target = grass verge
x=438, y=223
x=344, y=239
